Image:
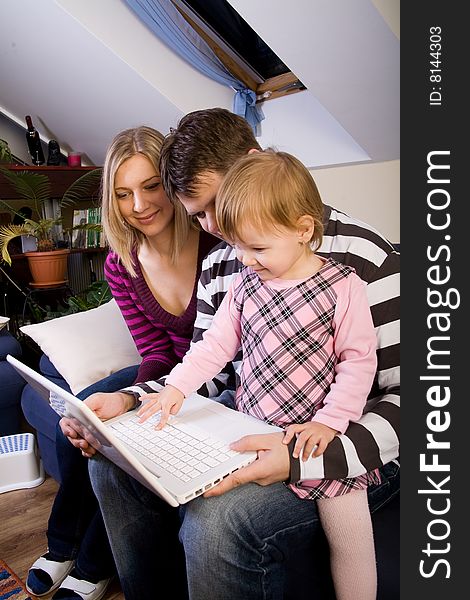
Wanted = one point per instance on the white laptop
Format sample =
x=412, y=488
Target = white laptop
x=183, y=460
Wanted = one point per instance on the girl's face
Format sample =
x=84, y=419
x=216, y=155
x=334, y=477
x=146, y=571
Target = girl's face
x=275, y=253
x=142, y=202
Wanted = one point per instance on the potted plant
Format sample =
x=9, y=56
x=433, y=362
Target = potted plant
x=35, y=189
x=5, y=152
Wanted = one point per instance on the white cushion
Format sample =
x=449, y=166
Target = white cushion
x=86, y=346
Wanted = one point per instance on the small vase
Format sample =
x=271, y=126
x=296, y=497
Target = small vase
x=48, y=269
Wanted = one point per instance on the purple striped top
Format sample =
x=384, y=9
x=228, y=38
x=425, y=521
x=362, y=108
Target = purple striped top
x=162, y=339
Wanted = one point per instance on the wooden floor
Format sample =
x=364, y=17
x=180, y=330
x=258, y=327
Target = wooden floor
x=24, y=515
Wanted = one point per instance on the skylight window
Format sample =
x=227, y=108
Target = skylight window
x=240, y=48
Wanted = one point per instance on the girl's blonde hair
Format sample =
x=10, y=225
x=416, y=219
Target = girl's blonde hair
x=268, y=189
x=121, y=237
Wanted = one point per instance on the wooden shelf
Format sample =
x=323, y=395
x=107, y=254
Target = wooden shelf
x=89, y=250
x=21, y=256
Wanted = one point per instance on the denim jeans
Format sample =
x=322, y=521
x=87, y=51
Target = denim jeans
x=143, y=531
x=236, y=545
x=75, y=528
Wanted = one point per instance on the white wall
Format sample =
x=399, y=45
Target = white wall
x=84, y=75
x=118, y=28
x=84, y=69
x=369, y=192
x=345, y=53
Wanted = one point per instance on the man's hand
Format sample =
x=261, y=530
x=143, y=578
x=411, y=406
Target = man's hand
x=271, y=466
x=105, y=406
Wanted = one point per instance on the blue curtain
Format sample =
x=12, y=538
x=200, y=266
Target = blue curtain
x=166, y=22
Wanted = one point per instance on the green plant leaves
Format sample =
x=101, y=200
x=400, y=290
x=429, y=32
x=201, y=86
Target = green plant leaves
x=81, y=187
x=94, y=295
x=35, y=188
x=30, y=186
x=9, y=232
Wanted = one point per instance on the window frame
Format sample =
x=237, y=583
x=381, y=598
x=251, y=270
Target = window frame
x=265, y=89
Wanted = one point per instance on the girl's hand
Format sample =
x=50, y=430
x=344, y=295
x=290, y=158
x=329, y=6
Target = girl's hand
x=169, y=401
x=311, y=436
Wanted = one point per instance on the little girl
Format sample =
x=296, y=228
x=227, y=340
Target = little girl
x=307, y=339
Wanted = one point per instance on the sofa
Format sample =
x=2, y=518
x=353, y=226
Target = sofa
x=11, y=386
x=300, y=584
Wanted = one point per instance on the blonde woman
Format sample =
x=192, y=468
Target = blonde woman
x=152, y=269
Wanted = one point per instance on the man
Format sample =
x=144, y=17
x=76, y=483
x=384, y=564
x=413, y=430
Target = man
x=237, y=543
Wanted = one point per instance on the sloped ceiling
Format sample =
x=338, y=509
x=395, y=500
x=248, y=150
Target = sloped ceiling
x=85, y=69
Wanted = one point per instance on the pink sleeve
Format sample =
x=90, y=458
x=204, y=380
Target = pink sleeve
x=207, y=357
x=355, y=343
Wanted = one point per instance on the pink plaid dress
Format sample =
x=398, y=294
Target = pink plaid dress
x=289, y=359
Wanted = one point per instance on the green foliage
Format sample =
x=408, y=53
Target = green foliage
x=35, y=188
x=95, y=295
x=5, y=152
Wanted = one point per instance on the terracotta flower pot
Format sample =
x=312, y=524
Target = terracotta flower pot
x=48, y=268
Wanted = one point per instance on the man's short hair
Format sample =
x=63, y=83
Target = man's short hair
x=205, y=140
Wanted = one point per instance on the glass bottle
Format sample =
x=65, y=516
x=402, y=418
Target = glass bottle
x=34, y=143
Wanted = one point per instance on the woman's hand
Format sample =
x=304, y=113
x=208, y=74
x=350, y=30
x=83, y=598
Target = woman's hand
x=105, y=406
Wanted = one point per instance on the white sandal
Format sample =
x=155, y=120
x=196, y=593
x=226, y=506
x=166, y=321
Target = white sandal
x=85, y=589
x=57, y=572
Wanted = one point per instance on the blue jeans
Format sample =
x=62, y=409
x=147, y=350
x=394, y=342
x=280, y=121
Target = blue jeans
x=236, y=545
x=75, y=528
x=143, y=532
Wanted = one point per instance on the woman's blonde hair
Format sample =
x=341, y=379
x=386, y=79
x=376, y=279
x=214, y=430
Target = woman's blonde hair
x=121, y=237
x=268, y=189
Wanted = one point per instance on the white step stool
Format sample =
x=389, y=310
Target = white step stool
x=20, y=465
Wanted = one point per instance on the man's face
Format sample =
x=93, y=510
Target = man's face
x=202, y=204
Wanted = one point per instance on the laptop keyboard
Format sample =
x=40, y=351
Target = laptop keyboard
x=184, y=451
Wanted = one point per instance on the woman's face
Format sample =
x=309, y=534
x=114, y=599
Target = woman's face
x=142, y=202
